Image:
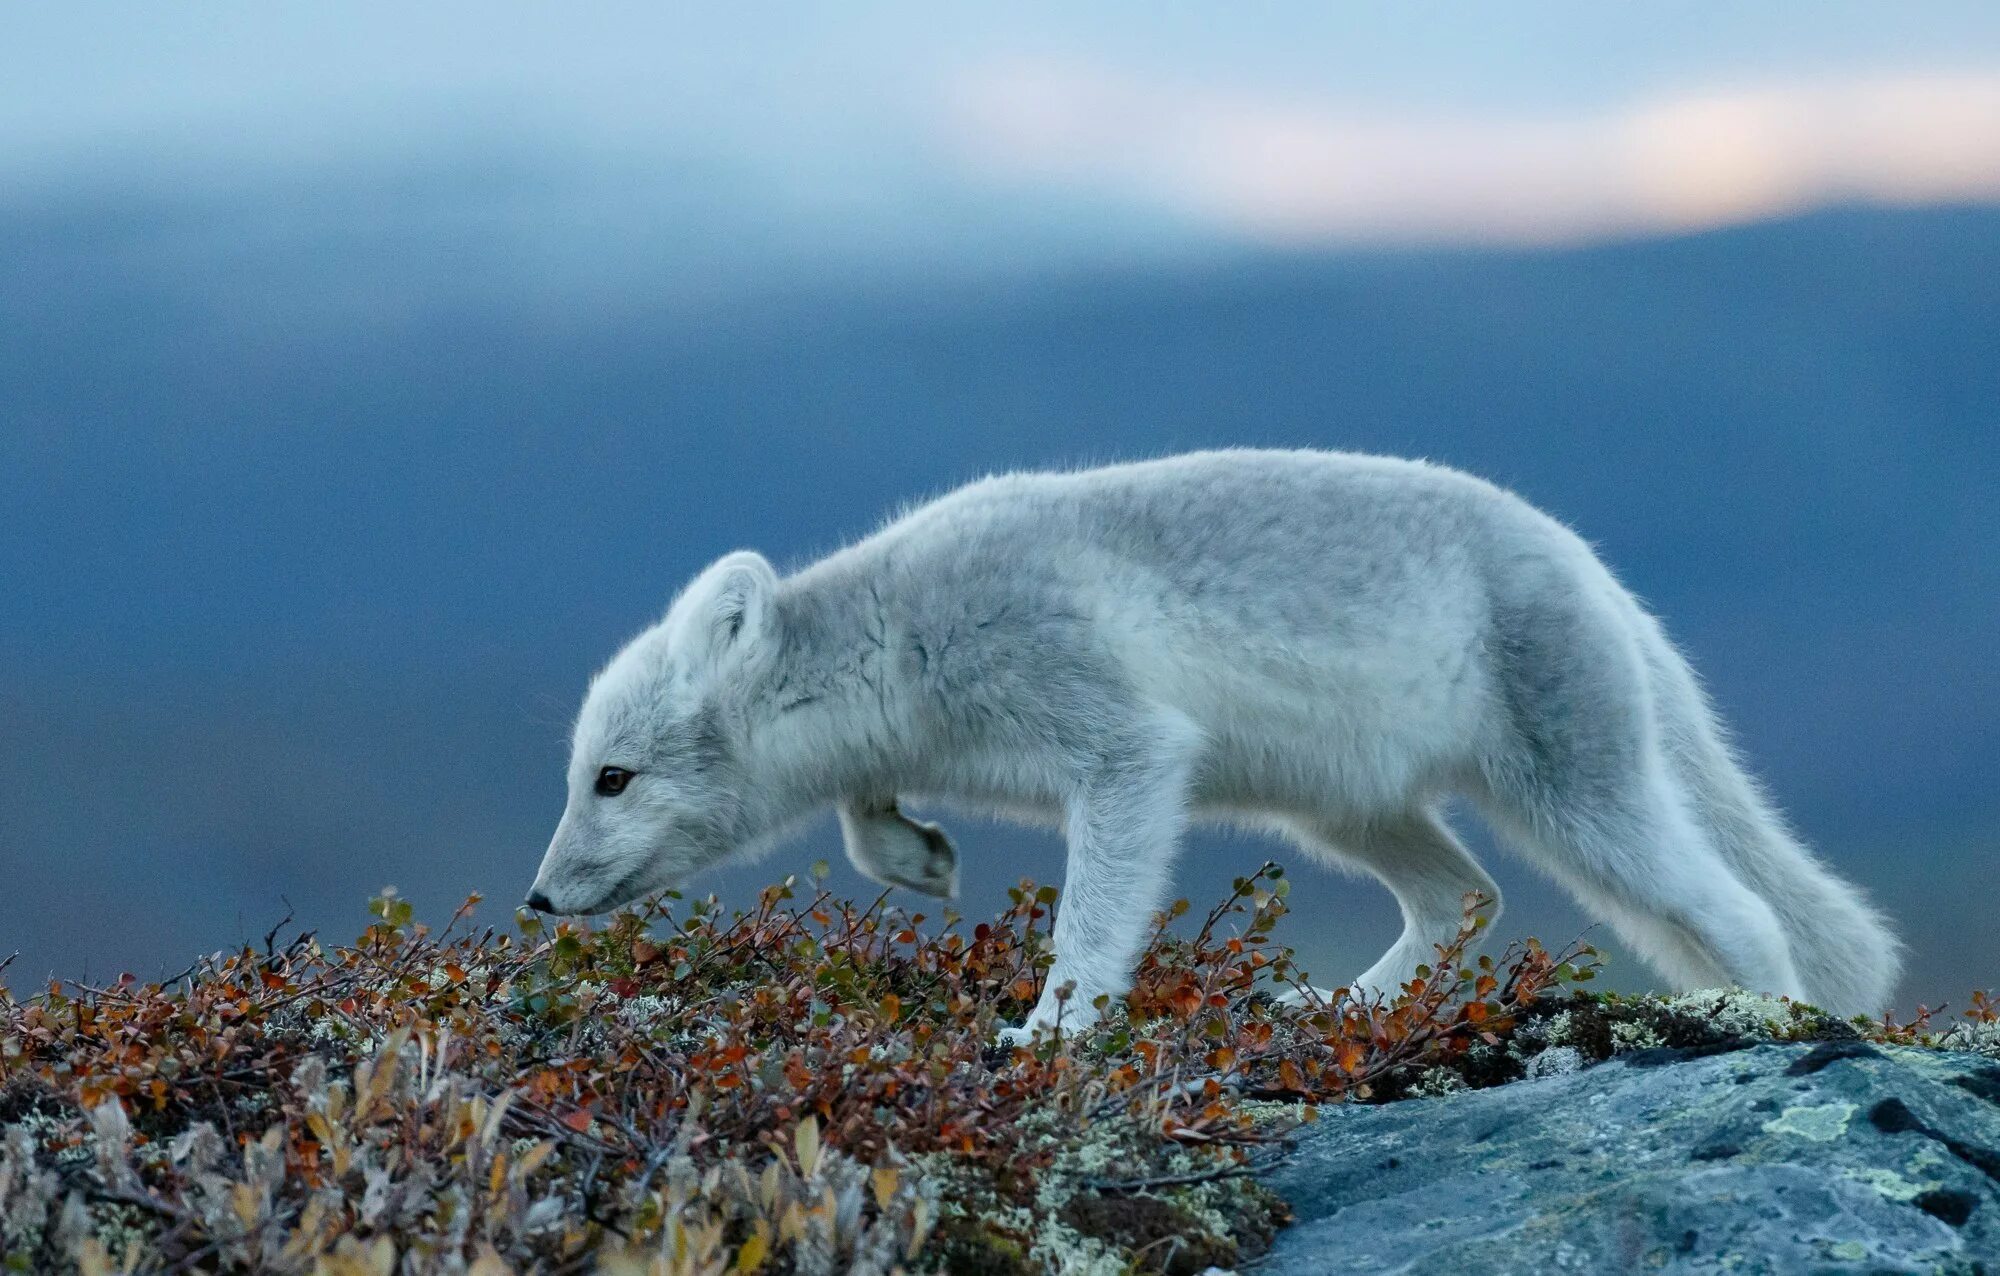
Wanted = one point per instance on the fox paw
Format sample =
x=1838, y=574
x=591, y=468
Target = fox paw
x=1008, y=1038
x=935, y=872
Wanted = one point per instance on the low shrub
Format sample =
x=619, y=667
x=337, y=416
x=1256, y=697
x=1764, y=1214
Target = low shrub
x=807, y=1085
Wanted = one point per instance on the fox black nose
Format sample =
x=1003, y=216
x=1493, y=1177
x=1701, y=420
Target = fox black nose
x=539, y=902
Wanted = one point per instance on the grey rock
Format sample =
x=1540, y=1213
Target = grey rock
x=1836, y=1158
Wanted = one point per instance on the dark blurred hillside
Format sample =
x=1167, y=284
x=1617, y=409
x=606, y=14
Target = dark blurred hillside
x=312, y=527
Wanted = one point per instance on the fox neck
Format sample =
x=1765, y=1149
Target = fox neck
x=830, y=718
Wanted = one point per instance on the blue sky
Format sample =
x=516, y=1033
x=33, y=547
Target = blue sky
x=1031, y=131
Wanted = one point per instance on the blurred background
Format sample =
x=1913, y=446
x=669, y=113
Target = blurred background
x=369, y=372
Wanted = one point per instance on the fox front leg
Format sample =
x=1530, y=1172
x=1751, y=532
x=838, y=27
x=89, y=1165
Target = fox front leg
x=1123, y=826
x=891, y=848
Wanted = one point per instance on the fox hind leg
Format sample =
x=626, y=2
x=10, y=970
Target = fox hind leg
x=1425, y=867
x=1634, y=855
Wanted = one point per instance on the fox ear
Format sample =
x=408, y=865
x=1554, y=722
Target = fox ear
x=725, y=612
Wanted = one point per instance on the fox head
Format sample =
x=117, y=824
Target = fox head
x=659, y=785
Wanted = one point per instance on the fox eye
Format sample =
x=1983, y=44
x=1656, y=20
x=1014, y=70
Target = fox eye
x=611, y=781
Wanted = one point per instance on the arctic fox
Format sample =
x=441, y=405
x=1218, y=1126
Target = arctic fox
x=1319, y=643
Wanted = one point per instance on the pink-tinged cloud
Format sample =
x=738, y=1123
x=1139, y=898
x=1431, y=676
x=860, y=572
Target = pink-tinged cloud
x=1294, y=171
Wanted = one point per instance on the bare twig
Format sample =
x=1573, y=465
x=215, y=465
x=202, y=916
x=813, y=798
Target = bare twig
x=271, y=935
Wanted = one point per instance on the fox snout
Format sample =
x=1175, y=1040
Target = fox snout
x=592, y=895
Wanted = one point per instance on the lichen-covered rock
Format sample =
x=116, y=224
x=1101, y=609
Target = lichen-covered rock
x=1829, y=1158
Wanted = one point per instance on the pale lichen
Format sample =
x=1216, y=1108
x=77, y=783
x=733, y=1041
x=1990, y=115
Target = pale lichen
x=1437, y=1083
x=1889, y=1183
x=1556, y=1061
x=1820, y=1122
x=1733, y=1012
x=1627, y=1036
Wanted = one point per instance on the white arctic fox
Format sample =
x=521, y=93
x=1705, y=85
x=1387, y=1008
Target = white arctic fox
x=1319, y=643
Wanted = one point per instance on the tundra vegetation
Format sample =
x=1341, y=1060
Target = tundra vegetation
x=808, y=1085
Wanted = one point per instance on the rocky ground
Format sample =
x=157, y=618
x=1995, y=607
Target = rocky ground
x=1835, y=1157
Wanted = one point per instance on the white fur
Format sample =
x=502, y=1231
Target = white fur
x=1320, y=643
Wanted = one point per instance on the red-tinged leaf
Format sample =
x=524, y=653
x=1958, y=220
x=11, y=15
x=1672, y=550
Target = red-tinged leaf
x=578, y=1120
